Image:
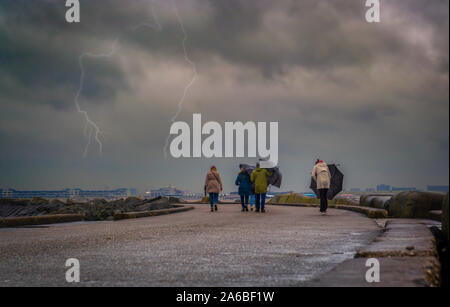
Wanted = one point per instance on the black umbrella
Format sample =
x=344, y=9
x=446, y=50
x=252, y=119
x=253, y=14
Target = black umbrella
x=337, y=179
x=274, y=180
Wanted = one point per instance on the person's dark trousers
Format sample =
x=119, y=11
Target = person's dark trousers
x=260, y=201
x=244, y=201
x=213, y=199
x=323, y=200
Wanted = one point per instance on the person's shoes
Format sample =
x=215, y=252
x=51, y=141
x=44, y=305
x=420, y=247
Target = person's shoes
x=323, y=213
x=212, y=210
x=246, y=209
x=251, y=208
x=263, y=210
x=243, y=209
x=215, y=207
x=256, y=210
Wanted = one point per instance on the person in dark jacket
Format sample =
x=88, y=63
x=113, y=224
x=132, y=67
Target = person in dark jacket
x=245, y=188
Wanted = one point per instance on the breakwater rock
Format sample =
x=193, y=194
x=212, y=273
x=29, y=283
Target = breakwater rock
x=415, y=204
x=445, y=220
x=295, y=198
x=94, y=210
x=379, y=201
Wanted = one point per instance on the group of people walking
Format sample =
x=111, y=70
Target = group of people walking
x=251, y=188
x=254, y=186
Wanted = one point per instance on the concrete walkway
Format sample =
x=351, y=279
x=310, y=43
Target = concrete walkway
x=406, y=254
x=286, y=246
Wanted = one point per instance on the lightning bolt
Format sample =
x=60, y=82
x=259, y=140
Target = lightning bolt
x=194, y=73
x=91, y=128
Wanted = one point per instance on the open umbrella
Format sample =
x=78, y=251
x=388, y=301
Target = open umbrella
x=337, y=179
x=274, y=180
x=248, y=168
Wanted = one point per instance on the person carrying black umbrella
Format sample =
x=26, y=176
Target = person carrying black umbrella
x=321, y=175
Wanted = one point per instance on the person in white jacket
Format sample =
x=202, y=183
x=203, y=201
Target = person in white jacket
x=321, y=175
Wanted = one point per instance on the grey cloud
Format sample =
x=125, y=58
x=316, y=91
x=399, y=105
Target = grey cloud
x=373, y=97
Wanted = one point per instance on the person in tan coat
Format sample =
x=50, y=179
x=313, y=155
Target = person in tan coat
x=321, y=175
x=213, y=186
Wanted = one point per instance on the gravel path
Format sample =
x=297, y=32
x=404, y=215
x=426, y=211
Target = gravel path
x=286, y=246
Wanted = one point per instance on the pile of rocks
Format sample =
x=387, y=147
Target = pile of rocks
x=94, y=210
x=414, y=204
x=295, y=198
x=379, y=201
x=29, y=207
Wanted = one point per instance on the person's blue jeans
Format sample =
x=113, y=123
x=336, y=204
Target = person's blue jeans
x=260, y=201
x=244, y=200
x=252, y=200
x=213, y=199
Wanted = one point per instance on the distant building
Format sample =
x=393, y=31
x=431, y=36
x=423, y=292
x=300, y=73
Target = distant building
x=370, y=190
x=395, y=189
x=66, y=193
x=193, y=195
x=438, y=188
x=281, y=193
x=309, y=194
x=383, y=187
x=173, y=191
x=166, y=191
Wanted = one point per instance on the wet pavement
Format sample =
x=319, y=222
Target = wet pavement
x=406, y=256
x=286, y=246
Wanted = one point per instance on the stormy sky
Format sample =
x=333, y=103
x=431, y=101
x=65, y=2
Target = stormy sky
x=373, y=97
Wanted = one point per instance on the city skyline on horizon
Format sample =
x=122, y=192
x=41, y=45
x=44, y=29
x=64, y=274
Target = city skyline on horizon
x=274, y=189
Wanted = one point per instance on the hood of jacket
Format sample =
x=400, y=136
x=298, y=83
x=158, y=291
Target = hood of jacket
x=258, y=169
x=213, y=175
x=321, y=167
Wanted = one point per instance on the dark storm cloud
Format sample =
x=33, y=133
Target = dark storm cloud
x=40, y=50
x=275, y=36
x=370, y=96
x=272, y=36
